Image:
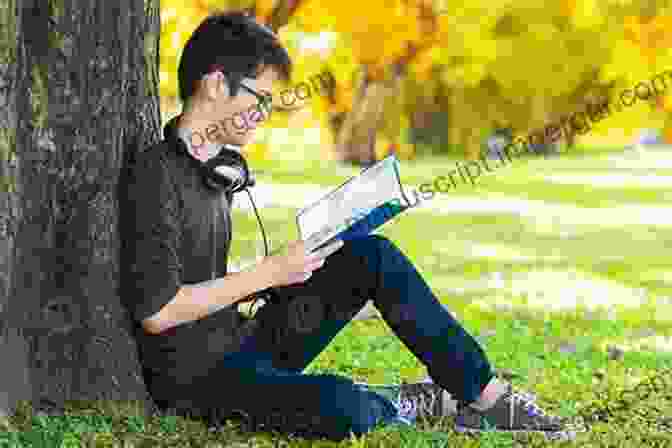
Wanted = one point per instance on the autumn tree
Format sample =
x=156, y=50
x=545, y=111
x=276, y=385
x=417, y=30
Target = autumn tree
x=648, y=40
x=523, y=63
x=78, y=91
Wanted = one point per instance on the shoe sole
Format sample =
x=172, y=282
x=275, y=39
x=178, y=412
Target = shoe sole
x=564, y=435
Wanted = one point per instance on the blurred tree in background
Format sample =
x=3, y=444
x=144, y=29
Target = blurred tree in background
x=436, y=74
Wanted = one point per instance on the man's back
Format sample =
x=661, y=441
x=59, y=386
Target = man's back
x=167, y=231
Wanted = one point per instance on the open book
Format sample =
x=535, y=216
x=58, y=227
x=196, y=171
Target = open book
x=356, y=208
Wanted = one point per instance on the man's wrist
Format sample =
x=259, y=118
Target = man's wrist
x=264, y=271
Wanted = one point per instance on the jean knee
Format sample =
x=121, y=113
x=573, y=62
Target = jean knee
x=380, y=239
x=371, y=243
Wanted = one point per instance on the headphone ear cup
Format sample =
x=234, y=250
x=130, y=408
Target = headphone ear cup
x=214, y=180
x=226, y=87
x=234, y=175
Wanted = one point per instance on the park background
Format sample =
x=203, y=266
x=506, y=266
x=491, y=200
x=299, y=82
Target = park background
x=557, y=262
x=430, y=78
x=433, y=82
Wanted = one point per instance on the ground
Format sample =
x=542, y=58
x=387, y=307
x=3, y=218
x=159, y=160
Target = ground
x=560, y=267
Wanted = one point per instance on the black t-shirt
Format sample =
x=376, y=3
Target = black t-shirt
x=167, y=236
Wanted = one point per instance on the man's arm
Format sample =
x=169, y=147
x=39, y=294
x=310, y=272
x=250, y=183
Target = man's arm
x=193, y=302
x=152, y=269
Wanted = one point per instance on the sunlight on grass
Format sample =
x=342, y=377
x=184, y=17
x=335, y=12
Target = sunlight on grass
x=565, y=289
x=656, y=343
x=548, y=214
x=661, y=275
x=500, y=252
x=639, y=159
x=608, y=180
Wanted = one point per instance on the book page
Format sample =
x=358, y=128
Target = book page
x=375, y=186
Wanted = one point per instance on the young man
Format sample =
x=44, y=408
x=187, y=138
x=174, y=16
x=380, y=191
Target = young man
x=201, y=356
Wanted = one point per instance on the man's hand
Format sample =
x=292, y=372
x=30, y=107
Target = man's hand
x=292, y=264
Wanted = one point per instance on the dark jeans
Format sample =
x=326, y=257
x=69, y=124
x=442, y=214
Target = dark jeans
x=264, y=379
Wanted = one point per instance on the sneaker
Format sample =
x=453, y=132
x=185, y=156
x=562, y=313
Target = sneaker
x=513, y=412
x=425, y=399
x=416, y=400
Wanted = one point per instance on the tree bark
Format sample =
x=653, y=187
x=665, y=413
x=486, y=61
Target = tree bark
x=355, y=142
x=13, y=348
x=84, y=101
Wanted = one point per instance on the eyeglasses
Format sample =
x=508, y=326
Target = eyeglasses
x=265, y=99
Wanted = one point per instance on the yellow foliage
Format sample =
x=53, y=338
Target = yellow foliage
x=667, y=102
x=651, y=37
x=421, y=67
x=312, y=17
x=380, y=30
x=533, y=55
x=667, y=135
x=629, y=119
x=406, y=151
x=568, y=7
x=385, y=147
x=588, y=14
x=178, y=21
x=382, y=146
x=263, y=9
x=344, y=100
x=256, y=151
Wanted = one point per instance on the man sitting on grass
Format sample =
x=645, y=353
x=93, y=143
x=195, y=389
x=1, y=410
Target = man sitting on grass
x=201, y=356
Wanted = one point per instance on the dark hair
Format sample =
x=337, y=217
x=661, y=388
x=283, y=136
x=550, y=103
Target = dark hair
x=235, y=42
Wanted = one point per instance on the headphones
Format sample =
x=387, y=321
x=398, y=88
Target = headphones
x=227, y=171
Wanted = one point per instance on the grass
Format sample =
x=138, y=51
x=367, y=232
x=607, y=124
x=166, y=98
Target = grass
x=327, y=173
x=522, y=178
x=563, y=356
x=366, y=350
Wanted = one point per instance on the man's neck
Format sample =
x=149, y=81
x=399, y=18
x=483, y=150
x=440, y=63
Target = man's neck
x=193, y=132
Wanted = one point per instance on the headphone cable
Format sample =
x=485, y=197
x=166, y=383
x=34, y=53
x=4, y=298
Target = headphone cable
x=267, y=294
x=261, y=226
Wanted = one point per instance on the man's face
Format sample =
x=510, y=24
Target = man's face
x=239, y=116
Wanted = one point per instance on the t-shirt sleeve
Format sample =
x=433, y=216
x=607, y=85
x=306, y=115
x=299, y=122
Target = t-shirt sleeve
x=152, y=236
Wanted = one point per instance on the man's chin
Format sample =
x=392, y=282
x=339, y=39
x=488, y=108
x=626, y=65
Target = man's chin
x=246, y=139
x=239, y=141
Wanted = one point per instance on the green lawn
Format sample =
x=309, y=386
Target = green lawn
x=414, y=171
x=561, y=356
x=522, y=178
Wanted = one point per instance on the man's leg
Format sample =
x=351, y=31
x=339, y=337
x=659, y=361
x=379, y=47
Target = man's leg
x=246, y=385
x=309, y=315
x=373, y=267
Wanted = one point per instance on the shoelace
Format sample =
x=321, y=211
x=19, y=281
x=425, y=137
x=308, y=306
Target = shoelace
x=411, y=405
x=527, y=400
x=407, y=409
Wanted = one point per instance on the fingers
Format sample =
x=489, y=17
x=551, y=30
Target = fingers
x=313, y=265
x=300, y=278
x=308, y=270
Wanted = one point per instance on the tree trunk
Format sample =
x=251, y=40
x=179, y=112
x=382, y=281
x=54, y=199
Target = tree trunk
x=12, y=347
x=462, y=132
x=356, y=137
x=83, y=100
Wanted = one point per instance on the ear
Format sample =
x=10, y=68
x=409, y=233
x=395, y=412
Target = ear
x=210, y=86
x=216, y=85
